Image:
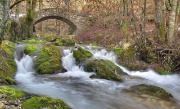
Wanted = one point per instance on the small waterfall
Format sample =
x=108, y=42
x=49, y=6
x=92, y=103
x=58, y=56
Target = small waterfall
x=25, y=69
x=103, y=54
x=69, y=63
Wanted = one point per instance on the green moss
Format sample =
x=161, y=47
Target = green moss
x=151, y=90
x=81, y=54
x=118, y=51
x=7, y=69
x=51, y=37
x=10, y=81
x=162, y=71
x=31, y=49
x=29, y=17
x=103, y=69
x=49, y=60
x=12, y=93
x=65, y=42
x=111, y=65
x=7, y=49
x=128, y=54
x=32, y=41
x=44, y=102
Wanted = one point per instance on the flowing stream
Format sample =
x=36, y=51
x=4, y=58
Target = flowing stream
x=80, y=92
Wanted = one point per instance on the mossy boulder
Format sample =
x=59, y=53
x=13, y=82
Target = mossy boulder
x=81, y=55
x=12, y=93
x=31, y=50
x=44, y=102
x=65, y=41
x=8, y=66
x=150, y=90
x=7, y=49
x=104, y=69
x=8, y=69
x=51, y=37
x=32, y=41
x=49, y=60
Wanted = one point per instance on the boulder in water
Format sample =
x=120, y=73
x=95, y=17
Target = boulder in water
x=48, y=58
x=81, y=55
x=104, y=69
x=31, y=50
x=150, y=90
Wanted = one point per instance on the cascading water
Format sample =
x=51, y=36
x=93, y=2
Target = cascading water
x=81, y=92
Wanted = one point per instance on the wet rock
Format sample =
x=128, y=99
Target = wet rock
x=14, y=107
x=14, y=102
x=81, y=55
x=104, y=69
x=48, y=58
x=150, y=90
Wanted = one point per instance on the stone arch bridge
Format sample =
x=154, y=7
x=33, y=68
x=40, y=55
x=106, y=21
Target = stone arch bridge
x=77, y=21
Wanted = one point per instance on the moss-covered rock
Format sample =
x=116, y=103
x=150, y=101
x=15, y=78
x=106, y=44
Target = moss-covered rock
x=7, y=70
x=103, y=69
x=151, y=90
x=7, y=49
x=44, y=102
x=31, y=49
x=7, y=64
x=81, y=54
x=32, y=41
x=12, y=93
x=51, y=37
x=49, y=60
x=161, y=70
x=65, y=41
x=9, y=81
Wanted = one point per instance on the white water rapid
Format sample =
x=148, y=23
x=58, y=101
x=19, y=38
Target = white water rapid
x=80, y=92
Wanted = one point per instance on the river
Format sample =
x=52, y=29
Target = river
x=81, y=92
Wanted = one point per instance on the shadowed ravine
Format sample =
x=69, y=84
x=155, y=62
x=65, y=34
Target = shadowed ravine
x=81, y=92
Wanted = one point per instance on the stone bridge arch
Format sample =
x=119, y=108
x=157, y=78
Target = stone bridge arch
x=75, y=20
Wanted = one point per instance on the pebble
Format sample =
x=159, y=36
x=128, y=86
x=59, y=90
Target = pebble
x=2, y=105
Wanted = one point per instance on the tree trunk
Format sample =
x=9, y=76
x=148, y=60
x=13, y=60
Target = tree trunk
x=172, y=21
x=40, y=9
x=17, y=12
x=143, y=26
x=4, y=15
x=159, y=21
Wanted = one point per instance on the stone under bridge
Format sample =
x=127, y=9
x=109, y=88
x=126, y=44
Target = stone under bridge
x=77, y=21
